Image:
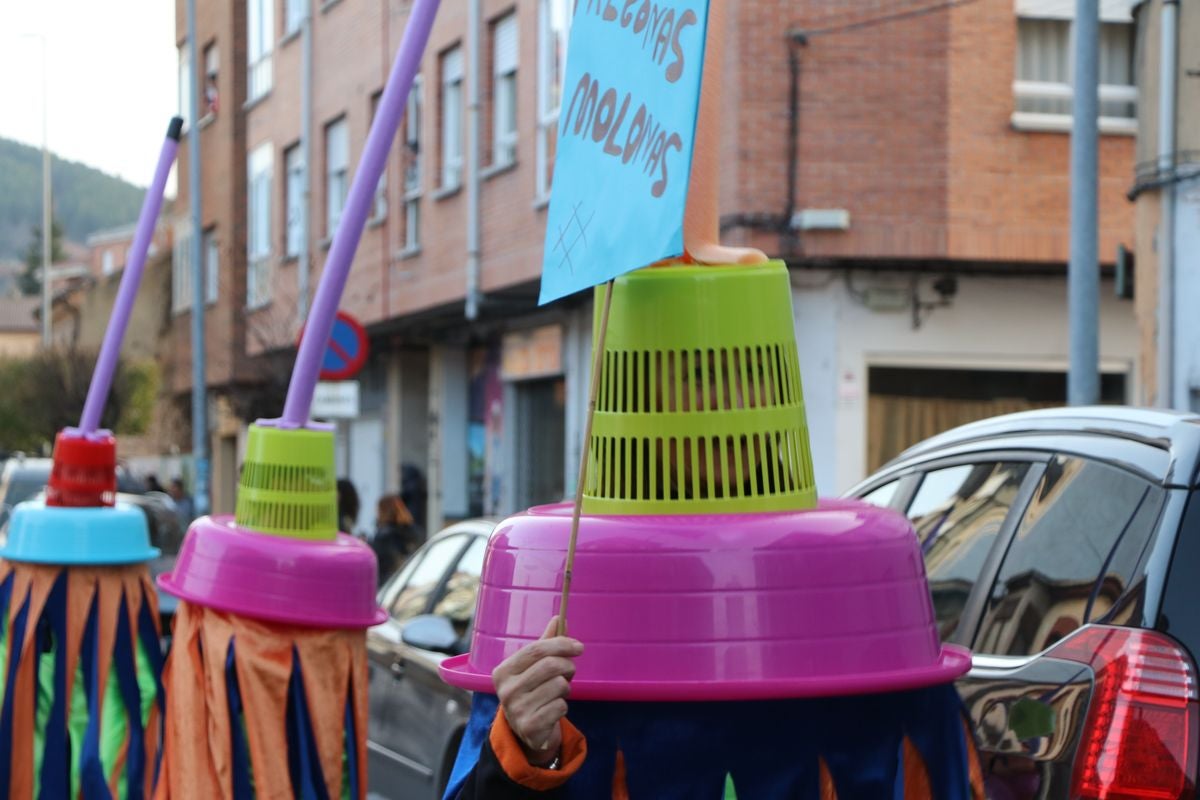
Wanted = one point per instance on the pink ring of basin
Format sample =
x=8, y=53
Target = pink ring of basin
x=830, y=601
x=314, y=584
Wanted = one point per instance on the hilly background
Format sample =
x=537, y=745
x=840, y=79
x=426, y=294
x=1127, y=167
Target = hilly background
x=85, y=199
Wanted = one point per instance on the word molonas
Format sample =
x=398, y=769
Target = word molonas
x=659, y=25
x=644, y=141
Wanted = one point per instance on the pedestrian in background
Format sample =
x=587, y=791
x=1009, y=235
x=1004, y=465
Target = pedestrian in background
x=348, y=506
x=184, y=506
x=414, y=492
x=396, y=535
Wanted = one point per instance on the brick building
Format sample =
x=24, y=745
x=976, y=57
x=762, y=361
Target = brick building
x=908, y=159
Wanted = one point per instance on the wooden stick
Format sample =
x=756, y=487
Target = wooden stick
x=584, y=457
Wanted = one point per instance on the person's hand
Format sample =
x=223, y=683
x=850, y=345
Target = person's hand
x=533, y=685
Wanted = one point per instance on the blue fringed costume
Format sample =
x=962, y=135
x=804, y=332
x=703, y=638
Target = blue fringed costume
x=869, y=747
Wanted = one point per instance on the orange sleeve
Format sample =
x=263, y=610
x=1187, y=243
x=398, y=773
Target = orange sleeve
x=517, y=767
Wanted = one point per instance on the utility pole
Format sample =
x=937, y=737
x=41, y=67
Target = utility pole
x=1083, y=274
x=47, y=204
x=199, y=379
x=306, y=90
x=1172, y=387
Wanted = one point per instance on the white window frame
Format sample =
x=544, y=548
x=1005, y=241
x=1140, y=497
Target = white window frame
x=259, y=167
x=186, y=84
x=550, y=85
x=293, y=201
x=379, y=206
x=337, y=172
x=1111, y=12
x=505, y=55
x=413, y=166
x=451, y=100
x=294, y=12
x=107, y=263
x=181, y=267
x=212, y=265
x=260, y=47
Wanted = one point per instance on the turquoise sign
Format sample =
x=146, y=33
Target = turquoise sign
x=625, y=135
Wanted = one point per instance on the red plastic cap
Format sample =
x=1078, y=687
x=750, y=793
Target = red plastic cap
x=84, y=474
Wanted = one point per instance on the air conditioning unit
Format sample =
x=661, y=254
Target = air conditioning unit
x=821, y=219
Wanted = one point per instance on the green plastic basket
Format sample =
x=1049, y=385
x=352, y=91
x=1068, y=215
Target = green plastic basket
x=700, y=408
x=289, y=486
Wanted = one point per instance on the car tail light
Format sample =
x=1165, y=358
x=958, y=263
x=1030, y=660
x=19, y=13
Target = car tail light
x=1140, y=739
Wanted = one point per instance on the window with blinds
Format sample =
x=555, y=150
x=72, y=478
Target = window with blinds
x=451, y=118
x=260, y=165
x=554, y=25
x=412, y=167
x=181, y=266
x=337, y=170
x=1043, y=87
x=260, y=44
x=294, y=175
x=504, y=90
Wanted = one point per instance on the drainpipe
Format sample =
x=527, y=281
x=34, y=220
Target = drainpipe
x=306, y=89
x=781, y=224
x=474, y=13
x=200, y=491
x=1172, y=390
x=796, y=40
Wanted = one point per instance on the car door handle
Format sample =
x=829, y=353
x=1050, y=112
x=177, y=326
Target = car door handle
x=398, y=668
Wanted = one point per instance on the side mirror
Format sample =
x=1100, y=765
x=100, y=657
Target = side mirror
x=431, y=632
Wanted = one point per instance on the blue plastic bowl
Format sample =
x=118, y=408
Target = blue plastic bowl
x=41, y=534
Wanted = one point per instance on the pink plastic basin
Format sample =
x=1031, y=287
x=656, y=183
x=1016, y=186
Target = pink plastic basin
x=315, y=584
x=832, y=601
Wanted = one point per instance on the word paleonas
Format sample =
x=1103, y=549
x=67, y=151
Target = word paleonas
x=659, y=25
x=643, y=142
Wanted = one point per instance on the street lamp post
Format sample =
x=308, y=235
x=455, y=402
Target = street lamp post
x=47, y=211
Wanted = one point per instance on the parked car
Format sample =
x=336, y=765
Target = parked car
x=416, y=720
x=25, y=479
x=1063, y=547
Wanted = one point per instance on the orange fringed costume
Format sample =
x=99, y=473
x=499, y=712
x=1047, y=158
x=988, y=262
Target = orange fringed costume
x=257, y=671
x=82, y=705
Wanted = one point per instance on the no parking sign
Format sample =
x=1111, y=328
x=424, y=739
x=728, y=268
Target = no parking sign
x=346, y=352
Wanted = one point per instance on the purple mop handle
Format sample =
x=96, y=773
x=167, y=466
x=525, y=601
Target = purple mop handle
x=358, y=203
x=102, y=377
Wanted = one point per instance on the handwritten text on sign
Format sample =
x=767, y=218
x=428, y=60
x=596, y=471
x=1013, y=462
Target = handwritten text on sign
x=625, y=136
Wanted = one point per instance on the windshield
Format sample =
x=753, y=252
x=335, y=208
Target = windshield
x=22, y=485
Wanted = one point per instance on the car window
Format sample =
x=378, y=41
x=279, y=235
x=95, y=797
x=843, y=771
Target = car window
x=1118, y=597
x=414, y=596
x=957, y=513
x=457, y=602
x=24, y=485
x=883, y=495
x=1084, y=522
x=387, y=594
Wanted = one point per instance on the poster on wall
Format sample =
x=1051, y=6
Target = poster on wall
x=485, y=432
